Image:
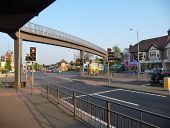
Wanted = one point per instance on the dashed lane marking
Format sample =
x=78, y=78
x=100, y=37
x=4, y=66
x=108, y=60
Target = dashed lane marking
x=145, y=93
x=122, y=101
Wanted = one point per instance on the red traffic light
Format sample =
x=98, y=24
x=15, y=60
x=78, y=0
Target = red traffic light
x=32, y=49
x=32, y=53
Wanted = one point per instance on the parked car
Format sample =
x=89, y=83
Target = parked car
x=55, y=70
x=49, y=70
x=157, y=78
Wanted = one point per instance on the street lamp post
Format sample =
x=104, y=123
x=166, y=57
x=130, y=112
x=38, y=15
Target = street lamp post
x=138, y=67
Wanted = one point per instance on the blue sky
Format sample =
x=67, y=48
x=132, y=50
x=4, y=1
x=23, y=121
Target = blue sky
x=103, y=22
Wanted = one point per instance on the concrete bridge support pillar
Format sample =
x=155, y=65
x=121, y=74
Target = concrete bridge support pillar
x=18, y=60
x=104, y=61
x=81, y=64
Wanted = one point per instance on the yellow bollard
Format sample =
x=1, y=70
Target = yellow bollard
x=30, y=79
x=167, y=83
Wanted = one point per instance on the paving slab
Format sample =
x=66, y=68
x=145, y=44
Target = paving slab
x=23, y=110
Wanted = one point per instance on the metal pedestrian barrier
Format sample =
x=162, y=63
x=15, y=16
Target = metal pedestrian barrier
x=100, y=113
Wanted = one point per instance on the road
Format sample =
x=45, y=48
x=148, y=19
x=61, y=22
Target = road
x=148, y=101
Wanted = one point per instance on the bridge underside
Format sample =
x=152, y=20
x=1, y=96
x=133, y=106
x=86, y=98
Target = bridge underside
x=15, y=13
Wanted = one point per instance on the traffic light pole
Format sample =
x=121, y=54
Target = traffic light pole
x=26, y=72
x=32, y=82
x=108, y=72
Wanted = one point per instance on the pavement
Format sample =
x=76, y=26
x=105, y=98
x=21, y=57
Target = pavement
x=19, y=109
x=137, y=85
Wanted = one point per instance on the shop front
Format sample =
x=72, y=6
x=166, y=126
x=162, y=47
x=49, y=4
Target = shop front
x=131, y=66
x=150, y=66
x=167, y=64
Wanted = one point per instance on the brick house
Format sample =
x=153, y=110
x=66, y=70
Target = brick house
x=153, y=53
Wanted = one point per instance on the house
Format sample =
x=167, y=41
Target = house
x=153, y=53
x=9, y=55
x=63, y=65
x=125, y=55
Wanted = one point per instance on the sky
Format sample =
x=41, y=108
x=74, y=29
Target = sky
x=105, y=23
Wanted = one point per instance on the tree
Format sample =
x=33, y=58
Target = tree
x=97, y=58
x=71, y=63
x=37, y=66
x=8, y=65
x=87, y=56
x=117, y=52
x=0, y=65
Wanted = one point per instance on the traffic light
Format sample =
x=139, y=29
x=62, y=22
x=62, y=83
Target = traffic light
x=91, y=61
x=135, y=57
x=140, y=56
x=101, y=61
x=81, y=61
x=27, y=58
x=111, y=55
x=32, y=53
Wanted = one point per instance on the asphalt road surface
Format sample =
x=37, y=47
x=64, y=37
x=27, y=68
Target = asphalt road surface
x=148, y=101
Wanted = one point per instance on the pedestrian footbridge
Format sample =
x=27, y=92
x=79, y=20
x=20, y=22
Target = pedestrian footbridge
x=40, y=34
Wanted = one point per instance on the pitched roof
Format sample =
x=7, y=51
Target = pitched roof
x=63, y=61
x=144, y=45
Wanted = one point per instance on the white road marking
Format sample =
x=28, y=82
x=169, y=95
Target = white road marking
x=145, y=93
x=145, y=85
x=98, y=94
x=118, y=100
x=91, y=94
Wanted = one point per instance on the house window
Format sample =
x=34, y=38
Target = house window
x=168, y=53
x=153, y=54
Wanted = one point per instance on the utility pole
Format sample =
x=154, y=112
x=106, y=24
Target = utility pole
x=138, y=67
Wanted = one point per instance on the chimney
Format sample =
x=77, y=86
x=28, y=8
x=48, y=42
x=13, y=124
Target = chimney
x=169, y=34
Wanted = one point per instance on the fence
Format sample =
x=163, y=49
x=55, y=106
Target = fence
x=101, y=113
x=122, y=76
x=8, y=80
x=130, y=76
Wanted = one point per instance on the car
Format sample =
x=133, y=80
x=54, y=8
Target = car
x=49, y=70
x=55, y=70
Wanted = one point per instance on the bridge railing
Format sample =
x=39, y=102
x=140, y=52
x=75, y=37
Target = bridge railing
x=101, y=113
x=44, y=31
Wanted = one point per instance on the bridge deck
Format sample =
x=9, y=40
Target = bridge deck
x=42, y=31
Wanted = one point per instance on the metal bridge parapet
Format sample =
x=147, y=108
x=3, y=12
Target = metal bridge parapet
x=48, y=32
